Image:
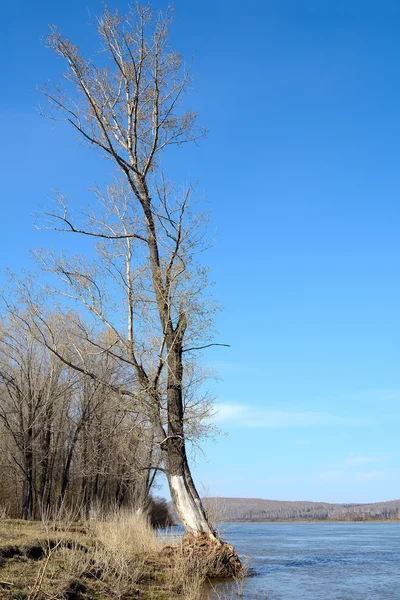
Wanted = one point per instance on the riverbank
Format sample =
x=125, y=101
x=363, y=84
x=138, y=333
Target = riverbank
x=120, y=557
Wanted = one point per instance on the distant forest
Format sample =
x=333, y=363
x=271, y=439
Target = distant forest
x=255, y=509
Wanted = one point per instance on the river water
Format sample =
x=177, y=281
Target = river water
x=316, y=561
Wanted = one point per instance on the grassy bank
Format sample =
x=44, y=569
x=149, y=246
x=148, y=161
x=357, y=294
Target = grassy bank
x=115, y=558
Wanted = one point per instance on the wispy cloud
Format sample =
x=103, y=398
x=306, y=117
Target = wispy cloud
x=229, y=411
x=342, y=476
x=378, y=476
x=240, y=415
x=353, y=469
x=226, y=367
x=356, y=461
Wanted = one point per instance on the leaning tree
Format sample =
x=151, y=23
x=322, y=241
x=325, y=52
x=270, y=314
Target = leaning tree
x=127, y=103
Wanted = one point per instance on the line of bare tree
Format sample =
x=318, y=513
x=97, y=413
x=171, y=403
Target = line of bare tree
x=258, y=510
x=67, y=439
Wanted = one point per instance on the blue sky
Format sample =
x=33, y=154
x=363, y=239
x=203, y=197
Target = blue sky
x=301, y=168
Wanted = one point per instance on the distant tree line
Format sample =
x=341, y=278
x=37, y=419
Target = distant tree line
x=253, y=509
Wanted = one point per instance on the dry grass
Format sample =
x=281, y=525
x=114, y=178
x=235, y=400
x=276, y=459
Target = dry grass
x=125, y=531
x=186, y=575
x=3, y=513
x=124, y=543
x=117, y=557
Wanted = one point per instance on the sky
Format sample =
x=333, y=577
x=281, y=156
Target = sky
x=300, y=166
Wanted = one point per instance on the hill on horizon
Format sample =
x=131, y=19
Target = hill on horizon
x=224, y=509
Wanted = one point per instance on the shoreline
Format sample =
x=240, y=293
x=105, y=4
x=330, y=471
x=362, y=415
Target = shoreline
x=326, y=521
x=119, y=557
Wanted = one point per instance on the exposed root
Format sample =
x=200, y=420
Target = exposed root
x=219, y=559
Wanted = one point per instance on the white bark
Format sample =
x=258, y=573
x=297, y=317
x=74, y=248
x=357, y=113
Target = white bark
x=187, y=508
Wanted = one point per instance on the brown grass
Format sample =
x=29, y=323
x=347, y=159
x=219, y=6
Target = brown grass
x=117, y=557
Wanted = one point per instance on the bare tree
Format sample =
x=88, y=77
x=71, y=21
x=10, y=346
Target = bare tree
x=128, y=105
x=32, y=386
x=67, y=438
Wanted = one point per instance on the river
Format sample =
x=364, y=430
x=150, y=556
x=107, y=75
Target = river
x=316, y=561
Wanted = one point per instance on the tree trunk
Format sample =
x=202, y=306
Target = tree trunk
x=67, y=466
x=27, y=494
x=189, y=510
x=47, y=435
x=220, y=559
x=183, y=492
